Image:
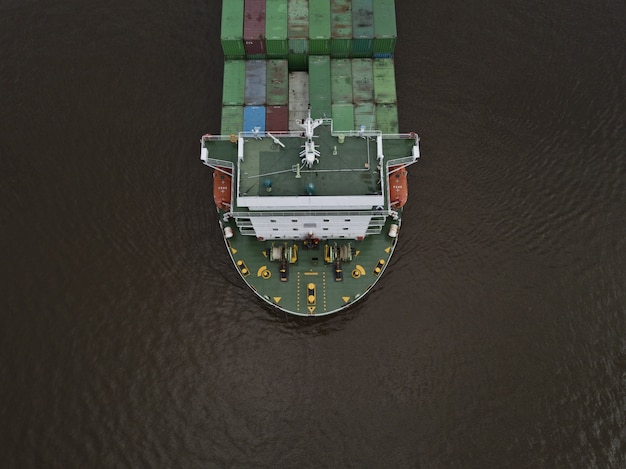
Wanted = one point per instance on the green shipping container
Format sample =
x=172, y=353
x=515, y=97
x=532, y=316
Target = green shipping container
x=341, y=28
x=234, y=82
x=298, y=33
x=231, y=33
x=343, y=117
x=298, y=62
x=277, y=83
x=319, y=86
x=385, y=30
x=232, y=120
x=365, y=114
x=276, y=45
x=387, y=118
x=384, y=82
x=362, y=81
x=319, y=27
x=362, y=28
x=341, y=80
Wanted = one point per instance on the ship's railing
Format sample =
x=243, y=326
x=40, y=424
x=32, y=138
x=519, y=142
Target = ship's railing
x=380, y=212
x=407, y=160
x=234, y=137
x=403, y=136
x=297, y=133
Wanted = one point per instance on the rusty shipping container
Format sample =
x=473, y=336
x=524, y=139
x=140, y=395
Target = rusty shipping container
x=254, y=29
x=276, y=118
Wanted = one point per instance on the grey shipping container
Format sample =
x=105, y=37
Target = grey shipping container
x=298, y=98
x=255, y=82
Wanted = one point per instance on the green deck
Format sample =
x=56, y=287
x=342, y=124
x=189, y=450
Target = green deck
x=263, y=276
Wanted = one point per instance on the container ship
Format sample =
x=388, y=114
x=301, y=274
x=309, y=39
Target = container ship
x=309, y=166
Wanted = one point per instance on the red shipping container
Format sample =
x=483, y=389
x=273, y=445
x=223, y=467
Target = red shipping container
x=276, y=118
x=254, y=27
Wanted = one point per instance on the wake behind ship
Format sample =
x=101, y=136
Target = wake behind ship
x=309, y=169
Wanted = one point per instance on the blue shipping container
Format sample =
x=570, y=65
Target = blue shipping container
x=253, y=116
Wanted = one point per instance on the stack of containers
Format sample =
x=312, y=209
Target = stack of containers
x=298, y=34
x=255, y=95
x=233, y=93
x=341, y=28
x=277, y=96
x=288, y=45
x=276, y=46
x=254, y=29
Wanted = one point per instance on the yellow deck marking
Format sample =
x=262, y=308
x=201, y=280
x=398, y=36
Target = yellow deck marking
x=233, y=250
x=357, y=253
x=311, y=273
x=259, y=272
x=311, y=309
x=388, y=249
x=324, y=289
x=298, y=293
x=277, y=299
x=345, y=299
x=360, y=268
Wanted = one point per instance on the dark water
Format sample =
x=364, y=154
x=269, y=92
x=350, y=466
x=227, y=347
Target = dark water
x=496, y=338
